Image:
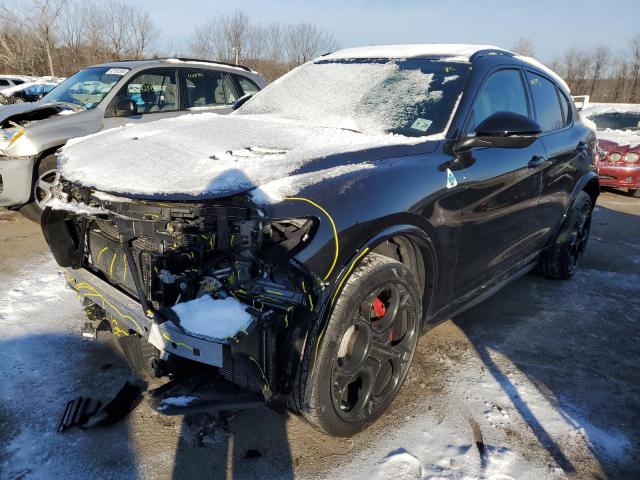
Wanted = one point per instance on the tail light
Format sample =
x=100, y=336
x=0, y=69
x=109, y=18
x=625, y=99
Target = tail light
x=631, y=157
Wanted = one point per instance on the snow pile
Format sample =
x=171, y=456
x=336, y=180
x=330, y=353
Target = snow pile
x=624, y=138
x=208, y=154
x=213, y=318
x=373, y=98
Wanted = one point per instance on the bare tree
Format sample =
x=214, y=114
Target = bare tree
x=524, y=46
x=235, y=29
x=45, y=14
x=305, y=42
x=599, y=59
x=634, y=95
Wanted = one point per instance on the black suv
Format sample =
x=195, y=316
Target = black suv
x=292, y=252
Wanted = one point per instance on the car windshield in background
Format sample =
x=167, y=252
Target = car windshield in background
x=407, y=97
x=86, y=88
x=617, y=120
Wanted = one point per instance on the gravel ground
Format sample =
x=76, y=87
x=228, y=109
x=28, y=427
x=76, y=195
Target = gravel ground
x=542, y=380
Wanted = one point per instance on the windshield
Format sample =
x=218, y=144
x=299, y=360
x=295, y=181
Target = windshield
x=86, y=88
x=617, y=120
x=407, y=97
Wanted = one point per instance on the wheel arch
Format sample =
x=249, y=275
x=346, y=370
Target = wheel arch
x=411, y=246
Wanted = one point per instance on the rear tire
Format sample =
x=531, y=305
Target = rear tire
x=634, y=192
x=365, y=352
x=45, y=173
x=562, y=260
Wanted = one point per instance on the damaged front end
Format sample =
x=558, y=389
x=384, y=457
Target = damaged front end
x=210, y=281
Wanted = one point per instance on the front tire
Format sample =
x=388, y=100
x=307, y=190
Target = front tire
x=366, y=349
x=562, y=260
x=46, y=176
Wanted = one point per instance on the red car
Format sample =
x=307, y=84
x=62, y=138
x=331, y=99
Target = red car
x=618, y=132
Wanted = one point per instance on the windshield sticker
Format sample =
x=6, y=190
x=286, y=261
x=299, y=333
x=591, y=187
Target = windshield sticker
x=451, y=179
x=421, y=124
x=117, y=71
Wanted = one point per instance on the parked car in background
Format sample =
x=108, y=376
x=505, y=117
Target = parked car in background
x=8, y=81
x=618, y=131
x=293, y=251
x=26, y=92
x=101, y=97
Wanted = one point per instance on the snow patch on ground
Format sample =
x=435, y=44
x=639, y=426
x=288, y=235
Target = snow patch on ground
x=214, y=318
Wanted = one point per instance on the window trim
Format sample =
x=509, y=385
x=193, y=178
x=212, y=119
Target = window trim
x=226, y=78
x=111, y=105
x=566, y=126
x=525, y=89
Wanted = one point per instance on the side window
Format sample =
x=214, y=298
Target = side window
x=567, y=109
x=3, y=82
x=502, y=92
x=152, y=91
x=206, y=88
x=545, y=102
x=247, y=86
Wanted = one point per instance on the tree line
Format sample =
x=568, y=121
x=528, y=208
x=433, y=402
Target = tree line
x=603, y=74
x=59, y=37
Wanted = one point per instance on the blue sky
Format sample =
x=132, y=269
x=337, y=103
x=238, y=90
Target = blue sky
x=551, y=25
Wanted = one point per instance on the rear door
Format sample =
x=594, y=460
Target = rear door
x=208, y=90
x=155, y=93
x=500, y=221
x=567, y=147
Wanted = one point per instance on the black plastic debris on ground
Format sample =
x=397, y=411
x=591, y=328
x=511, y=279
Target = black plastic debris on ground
x=86, y=412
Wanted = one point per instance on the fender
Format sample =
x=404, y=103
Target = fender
x=580, y=186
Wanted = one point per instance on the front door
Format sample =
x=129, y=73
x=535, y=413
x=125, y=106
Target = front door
x=155, y=93
x=500, y=220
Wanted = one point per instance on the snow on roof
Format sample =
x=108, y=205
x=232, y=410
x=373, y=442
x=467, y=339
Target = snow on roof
x=461, y=52
x=16, y=88
x=209, y=64
x=596, y=108
x=623, y=138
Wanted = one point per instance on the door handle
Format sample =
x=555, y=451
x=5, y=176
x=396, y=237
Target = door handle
x=582, y=147
x=536, y=161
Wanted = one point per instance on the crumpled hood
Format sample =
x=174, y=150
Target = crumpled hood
x=209, y=155
x=18, y=111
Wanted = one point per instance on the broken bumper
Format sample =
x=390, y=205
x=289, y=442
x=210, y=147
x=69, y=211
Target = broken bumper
x=15, y=181
x=625, y=177
x=126, y=316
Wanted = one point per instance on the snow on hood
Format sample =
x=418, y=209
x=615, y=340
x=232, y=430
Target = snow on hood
x=623, y=138
x=214, y=155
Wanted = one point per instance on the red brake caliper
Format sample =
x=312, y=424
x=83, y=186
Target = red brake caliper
x=380, y=310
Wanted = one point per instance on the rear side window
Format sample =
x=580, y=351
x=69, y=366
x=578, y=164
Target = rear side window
x=247, y=86
x=567, y=109
x=545, y=102
x=3, y=82
x=206, y=88
x=502, y=92
x=18, y=82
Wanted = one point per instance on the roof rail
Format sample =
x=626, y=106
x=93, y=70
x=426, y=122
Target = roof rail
x=183, y=59
x=491, y=51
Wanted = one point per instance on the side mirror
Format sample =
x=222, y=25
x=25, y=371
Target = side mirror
x=241, y=101
x=125, y=107
x=503, y=130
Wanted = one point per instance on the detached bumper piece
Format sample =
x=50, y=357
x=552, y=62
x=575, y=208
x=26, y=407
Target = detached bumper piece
x=206, y=392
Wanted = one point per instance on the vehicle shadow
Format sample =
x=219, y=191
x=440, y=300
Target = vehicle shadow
x=574, y=341
x=254, y=444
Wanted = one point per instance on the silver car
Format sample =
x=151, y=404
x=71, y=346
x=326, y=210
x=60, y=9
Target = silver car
x=101, y=97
